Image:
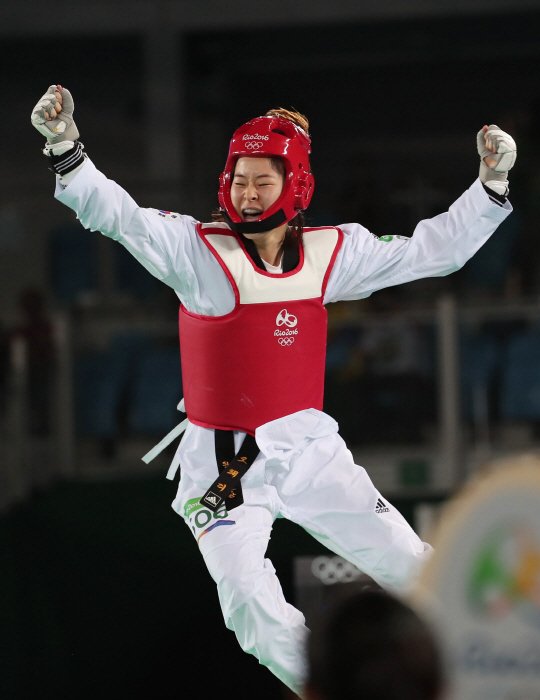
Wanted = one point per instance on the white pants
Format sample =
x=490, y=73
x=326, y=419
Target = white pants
x=311, y=479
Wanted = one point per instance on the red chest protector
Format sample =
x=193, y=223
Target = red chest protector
x=266, y=358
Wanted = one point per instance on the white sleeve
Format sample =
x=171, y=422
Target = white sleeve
x=168, y=246
x=438, y=246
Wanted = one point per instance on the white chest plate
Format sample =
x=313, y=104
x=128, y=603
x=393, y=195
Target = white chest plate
x=255, y=287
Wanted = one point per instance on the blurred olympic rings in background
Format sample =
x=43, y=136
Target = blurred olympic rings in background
x=332, y=570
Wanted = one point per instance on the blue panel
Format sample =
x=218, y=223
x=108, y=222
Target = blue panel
x=480, y=358
x=102, y=379
x=157, y=389
x=520, y=399
x=99, y=380
x=72, y=262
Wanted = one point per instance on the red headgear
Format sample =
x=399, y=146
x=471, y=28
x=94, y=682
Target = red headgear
x=266, y=137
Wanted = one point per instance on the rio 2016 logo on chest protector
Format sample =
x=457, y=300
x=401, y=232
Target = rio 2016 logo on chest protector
x=286, y=336
x=284, y=317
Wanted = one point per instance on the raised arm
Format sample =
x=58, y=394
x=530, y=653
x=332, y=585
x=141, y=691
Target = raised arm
x=166, y=244
x=438, y=246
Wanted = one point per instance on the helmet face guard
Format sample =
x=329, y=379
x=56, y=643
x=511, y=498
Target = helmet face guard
x=267, y=137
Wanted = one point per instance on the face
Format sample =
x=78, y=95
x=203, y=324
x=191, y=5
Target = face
x=255, y=187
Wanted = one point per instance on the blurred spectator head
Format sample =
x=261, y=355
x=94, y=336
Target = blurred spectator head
x=371, y=646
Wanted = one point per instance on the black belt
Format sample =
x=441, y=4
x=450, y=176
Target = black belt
x=227, y=487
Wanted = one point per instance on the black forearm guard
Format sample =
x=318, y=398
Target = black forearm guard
x=68, y=161
x=499, y=199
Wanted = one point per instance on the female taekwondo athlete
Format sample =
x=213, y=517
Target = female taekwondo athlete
x=253, y=290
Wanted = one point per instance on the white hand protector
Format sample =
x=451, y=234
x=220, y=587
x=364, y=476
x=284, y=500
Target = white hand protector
x=504, y=156
x=57, y=104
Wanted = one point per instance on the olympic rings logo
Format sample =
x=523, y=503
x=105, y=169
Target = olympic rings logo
x=284, y=317
x=285, y=341
x=253, y=145
x=330, y=570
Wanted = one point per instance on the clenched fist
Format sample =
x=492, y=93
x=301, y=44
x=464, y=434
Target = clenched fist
x=53, y=116
x=497, y=151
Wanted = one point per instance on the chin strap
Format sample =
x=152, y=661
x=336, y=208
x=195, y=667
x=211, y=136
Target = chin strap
x=272, y=222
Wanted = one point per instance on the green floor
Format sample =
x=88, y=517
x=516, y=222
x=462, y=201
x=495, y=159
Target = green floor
x=104, y=595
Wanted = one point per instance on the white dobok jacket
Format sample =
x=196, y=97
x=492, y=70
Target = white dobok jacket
x=170, y=248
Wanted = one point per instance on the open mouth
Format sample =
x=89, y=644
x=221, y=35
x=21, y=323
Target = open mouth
x=251, y=214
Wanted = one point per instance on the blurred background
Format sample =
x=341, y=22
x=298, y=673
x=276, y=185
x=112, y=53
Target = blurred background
x=102, y=590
